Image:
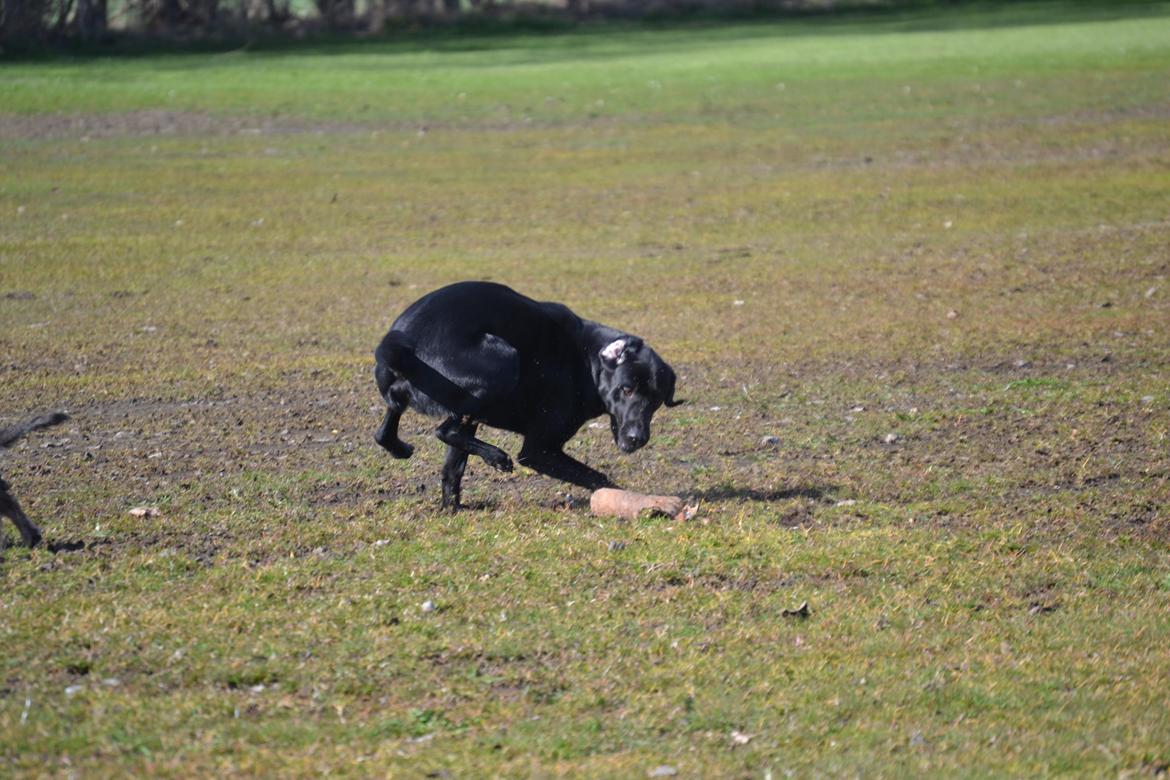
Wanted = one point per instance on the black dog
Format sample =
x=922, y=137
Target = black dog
x=477, y=352
x=8, y=504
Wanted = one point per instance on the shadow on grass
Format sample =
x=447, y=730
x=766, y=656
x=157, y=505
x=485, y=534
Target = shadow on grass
x=59, y=547
x=725, y=493
x=53, y=547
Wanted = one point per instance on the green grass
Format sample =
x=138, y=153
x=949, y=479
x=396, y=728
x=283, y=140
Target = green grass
x=702, y=73
x=948, y=227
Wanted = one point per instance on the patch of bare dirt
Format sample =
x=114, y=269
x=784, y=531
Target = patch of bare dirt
x=162, y=123
x=158, y=122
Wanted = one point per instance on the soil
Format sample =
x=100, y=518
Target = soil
x=157, y=122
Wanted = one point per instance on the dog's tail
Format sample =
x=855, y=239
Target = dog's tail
x=396, y=352
x=10, y=435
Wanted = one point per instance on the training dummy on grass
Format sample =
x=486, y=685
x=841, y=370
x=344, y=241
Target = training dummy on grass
x=626, y=504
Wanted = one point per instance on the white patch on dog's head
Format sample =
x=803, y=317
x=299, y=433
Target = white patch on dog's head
x=615, y=351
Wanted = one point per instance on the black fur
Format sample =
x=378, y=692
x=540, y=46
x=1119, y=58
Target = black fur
x=480, y=353
x=9, y=507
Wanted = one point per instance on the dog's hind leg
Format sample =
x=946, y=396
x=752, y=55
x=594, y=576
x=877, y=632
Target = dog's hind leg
x=397, y=396
x=387, y=433
x=460, y=434
x=11, y=509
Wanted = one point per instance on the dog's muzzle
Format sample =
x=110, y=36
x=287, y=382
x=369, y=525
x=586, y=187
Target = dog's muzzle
x=631, y=438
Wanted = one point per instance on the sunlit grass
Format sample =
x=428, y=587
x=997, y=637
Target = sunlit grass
x=927, y=253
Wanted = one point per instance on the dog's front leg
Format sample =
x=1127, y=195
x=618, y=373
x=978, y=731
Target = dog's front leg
x=460, y=434
x=552, y=462
x=453, y=468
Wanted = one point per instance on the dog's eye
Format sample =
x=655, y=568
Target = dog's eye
x=627, y=390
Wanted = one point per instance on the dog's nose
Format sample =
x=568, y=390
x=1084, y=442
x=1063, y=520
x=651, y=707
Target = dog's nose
x=634, y=438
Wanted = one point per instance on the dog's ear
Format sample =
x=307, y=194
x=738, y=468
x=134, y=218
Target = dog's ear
x=615, y=352
x=612, y=352
x=665, y=380
x=669, y=400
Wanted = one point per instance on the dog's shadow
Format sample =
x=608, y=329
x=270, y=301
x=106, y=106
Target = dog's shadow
x=726, y=493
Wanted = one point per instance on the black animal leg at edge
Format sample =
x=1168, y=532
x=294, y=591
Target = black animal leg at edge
x=28, y=531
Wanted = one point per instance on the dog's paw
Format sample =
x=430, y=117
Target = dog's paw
x=396, y=447
x=499, y=460
x=401, y=450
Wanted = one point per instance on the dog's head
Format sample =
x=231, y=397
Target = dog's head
x=633, y=383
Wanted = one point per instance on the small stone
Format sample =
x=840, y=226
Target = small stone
x=665, y=770
x=952, y=314
x=144, y=511
x=770, y=441
x=428, y=606
x=739, y=738
x=917, y=740
x=890, y=438
x=846, y=502
x=73, y=689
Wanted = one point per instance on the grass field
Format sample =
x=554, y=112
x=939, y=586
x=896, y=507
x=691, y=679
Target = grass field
x=929, y=252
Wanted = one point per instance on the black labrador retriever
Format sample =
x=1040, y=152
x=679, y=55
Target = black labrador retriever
x=481, y=353
x=8, y=505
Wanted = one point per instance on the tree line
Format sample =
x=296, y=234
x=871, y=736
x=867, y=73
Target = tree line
x=35, y=23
